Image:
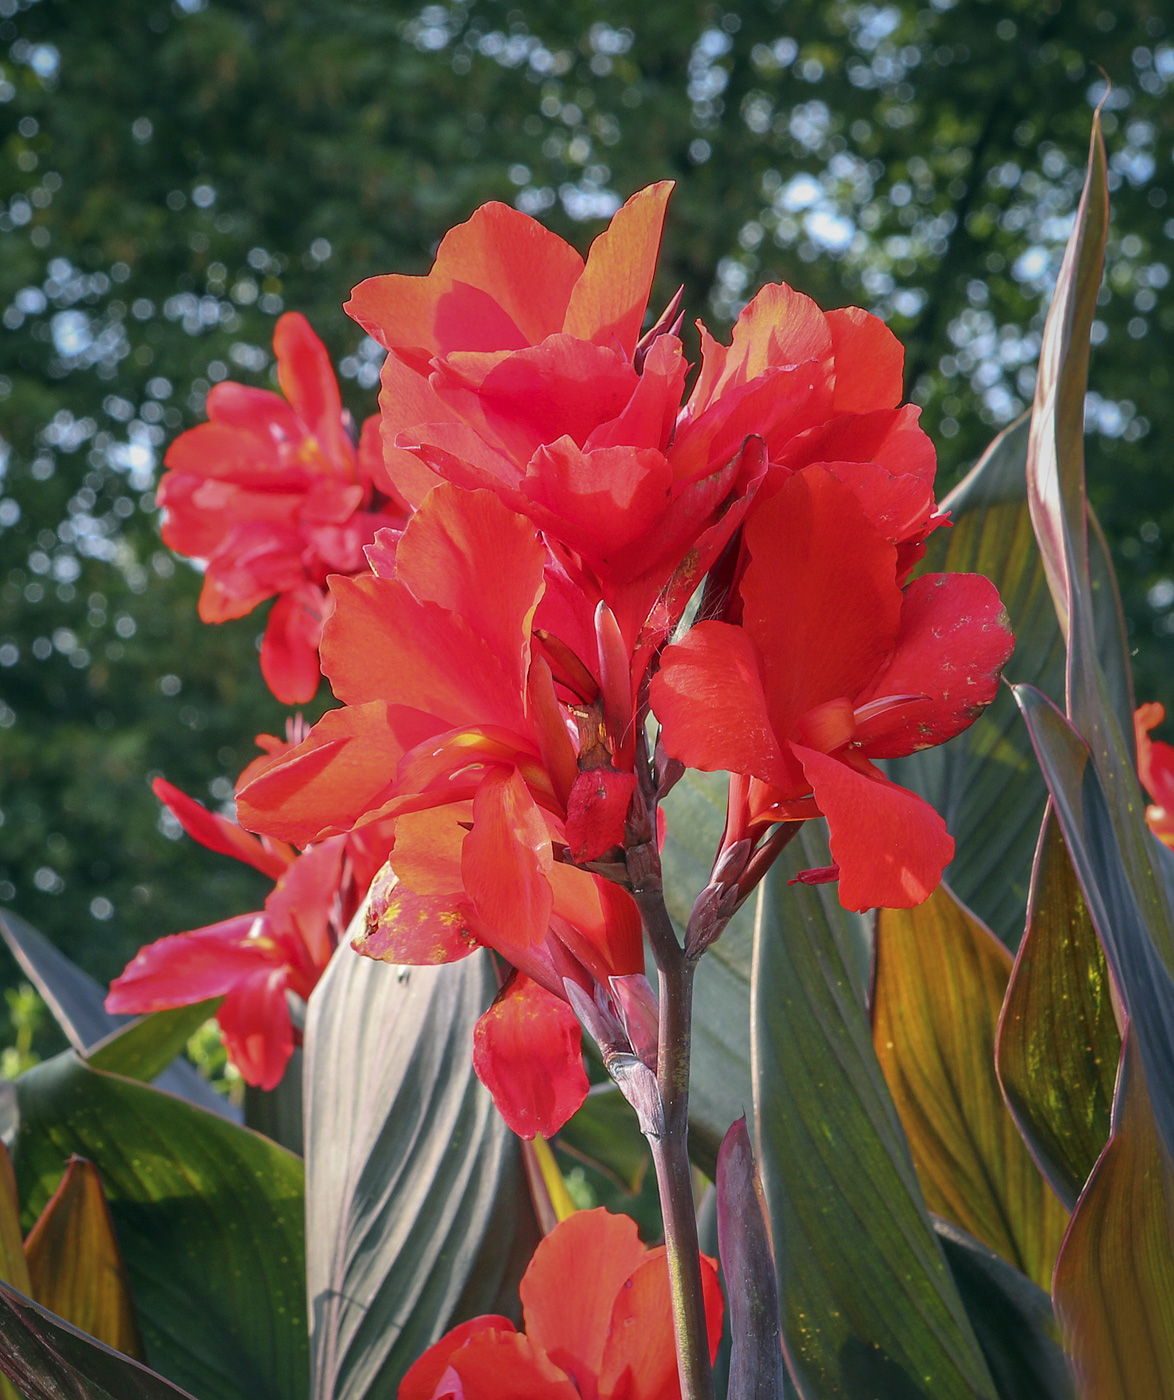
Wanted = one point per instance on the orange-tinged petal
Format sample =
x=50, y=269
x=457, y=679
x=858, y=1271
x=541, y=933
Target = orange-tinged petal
x=527, y=1051
x=427, y=853
x=342, y=771
x=820, y=595
x=467, y=553
x=217, y=833
x=869, y=361
x=505, y=862
x=506, y=1366
x=401, y=926
x=571, y=1286
x=640, y=1358
x=891, y=846
x=610, y=298
x=405, y=398
x=307, y=380
x=954, y=641
x=500, y=280
x=422, y=1378
x=710, y=700
x=383, y=644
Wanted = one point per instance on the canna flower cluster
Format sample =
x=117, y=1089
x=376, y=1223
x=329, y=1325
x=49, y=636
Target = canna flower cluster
x=273, y=494
x=573, y=487
x=1155, y=768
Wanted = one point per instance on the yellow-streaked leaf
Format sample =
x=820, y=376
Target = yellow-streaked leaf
x=75, y=1265
x=13, y=1268
x=1114, y=1285
x=1058, y=1044
x=939, y=985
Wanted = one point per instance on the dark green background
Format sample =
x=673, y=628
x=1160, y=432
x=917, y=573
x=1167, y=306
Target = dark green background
x=172, y=176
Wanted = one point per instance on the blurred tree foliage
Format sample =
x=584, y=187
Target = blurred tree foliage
x=172, y=175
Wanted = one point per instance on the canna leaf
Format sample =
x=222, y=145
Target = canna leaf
x=418, y=1214
x=938, y=989
x=209, y=1217
x=13, y=1268
x=144, y=1047
x=868, y=1305
x=1114, y=1285
x=1012, y=1319
x=48, y=1359
x=75, y=1266
x=748, y=1270
x=1090, y=833
x=77, y=1004
x=1058, y=1044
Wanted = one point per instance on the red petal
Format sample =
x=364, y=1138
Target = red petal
x=954, y=641
x=709, y=698
x=339, y=773
x=307, y=381
x=598, y=921
x=1155, y=760
x=508, y=1366
x=891, y=846
x=217, y=833
x=424, y=1375
x=289, y=649
x=189, y=967
x=820, y=596
x=571, y=1286
x=404, y=927
x=464, y=551
x=899, y=506
x=246, y=456
x=382, y=644
x=261, y=413
x=640, y=1359
x=869, y=361
x=299, y=911
x=405, y=399
x=527, y=1051
x=610, y=298
x=889, y=437
x=254, y=1021
x=505, y=862
x=500, y=281
x=780, y=327
x=596, y=811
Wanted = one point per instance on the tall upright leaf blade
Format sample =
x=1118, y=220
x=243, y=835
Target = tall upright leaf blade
x=417, y=1210
x=48, y=1359
x=75, y=1266
x=1114, y=1286
x=209, y=1217
x=1090, y=834
x=868, y=1306
x=1056, y=493
x=986, y=782
x=937, y=993
x=1058, y=1044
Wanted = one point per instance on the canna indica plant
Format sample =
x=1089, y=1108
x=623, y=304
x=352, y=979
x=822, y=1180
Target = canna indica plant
x=646, y=663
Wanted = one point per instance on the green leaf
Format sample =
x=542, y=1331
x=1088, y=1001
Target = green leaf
x=418, y=1215
x=868, y=1306
x=1058, y=1042
x=1114, y=1286
x=1056, y=494
x=77, y=1003
x=48, y=1359
x=1090, y=834
x=209, y=1217
x=144, y=1047
x=986, y=783
x=720, y=1089
x=937, y=993
x=1012, y=1319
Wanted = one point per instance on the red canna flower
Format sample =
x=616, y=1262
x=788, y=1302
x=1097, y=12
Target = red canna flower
x=451, y=727
x=1155, y=768
x=598, y=1322
x=273, y=493
x=253, y=960
x=834, y=666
